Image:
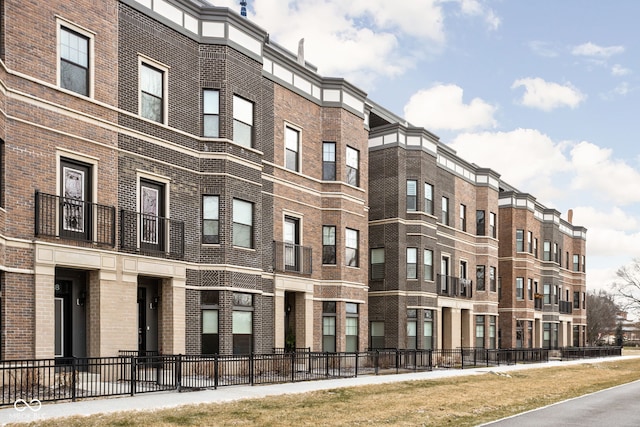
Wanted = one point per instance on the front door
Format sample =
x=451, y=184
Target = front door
x=148, y=307
x=70, y=314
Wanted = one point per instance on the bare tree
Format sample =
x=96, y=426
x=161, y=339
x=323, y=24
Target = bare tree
x=628, y=286
x=601, y=315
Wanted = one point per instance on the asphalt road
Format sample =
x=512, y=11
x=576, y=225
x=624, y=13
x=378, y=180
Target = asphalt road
x=615, y=407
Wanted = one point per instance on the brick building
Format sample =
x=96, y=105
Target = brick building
x=173, y=181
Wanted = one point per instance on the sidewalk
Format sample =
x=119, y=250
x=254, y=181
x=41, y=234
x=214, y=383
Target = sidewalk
x=162, y=400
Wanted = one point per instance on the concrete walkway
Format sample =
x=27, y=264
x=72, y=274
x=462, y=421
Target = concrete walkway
x=162, y=400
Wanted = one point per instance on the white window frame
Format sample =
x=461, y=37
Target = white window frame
x=149, y=62
x=61, y=22
x=298, y=149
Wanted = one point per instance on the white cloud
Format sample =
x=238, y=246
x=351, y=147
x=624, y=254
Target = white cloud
x=442, y=107
x=548, y=96
x=615, y=217
x=619, y=70
x=476, y=8
x=596, y=171
x=508, y=152
x=593, y=50
x=544, y=49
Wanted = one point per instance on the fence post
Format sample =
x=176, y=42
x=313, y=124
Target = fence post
x=376, y=359
x=215, y=371
x=133, y=375
x=397, y=361
x=431, y=359
x=73, y=379
x=293, y=365
x=357, y=358
x=178, y=372
x=326, y=364
x=462, y=357
x=251, y=368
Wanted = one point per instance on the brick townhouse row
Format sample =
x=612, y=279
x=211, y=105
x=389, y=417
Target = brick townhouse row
x=173, y=181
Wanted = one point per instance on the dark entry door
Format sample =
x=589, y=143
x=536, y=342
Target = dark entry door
x=70, y=314
x=152, y=226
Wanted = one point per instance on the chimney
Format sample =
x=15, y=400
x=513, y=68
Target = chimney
x=570, y=216
x=301, y=52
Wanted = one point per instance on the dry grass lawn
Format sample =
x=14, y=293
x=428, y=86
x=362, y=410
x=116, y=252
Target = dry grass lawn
x=462, y=401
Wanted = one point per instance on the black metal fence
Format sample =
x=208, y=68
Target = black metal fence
x=132, y=372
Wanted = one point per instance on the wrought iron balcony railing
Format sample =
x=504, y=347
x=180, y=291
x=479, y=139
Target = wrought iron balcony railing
x=291, y=258
x=566, y=307
x=151, y=235
x=454, y=286
x=74, y=219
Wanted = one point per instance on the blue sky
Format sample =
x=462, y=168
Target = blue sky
x=544, y=92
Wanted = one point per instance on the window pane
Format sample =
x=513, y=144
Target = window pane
x=328, y=235
x=241, y=235
x=209, y=321
x=151, y=80
x=377, y=329
x=73, y=77
x=291, y=138
x=352, y=326
x=377, y=256
x=212, y=126
x=329, y=152
x=243, y=110
x=242, y=322
x=210, y=207
x=242, y=212
x=351, y=238
x=351, y=308
x=211, y=102
x=328, y=325
x=151, y=107
x=242, y=133
x=352, y=158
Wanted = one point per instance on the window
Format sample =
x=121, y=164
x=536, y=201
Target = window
x=152, y=204
x=530, y=333
x=427, y=330
x=75, y=195
x=412, y=329
x=210, y=219
x=566, y=260
x=152, y=93
x=445, y=210
x=547, y=294
x=519, y=240
x=74, y=61
x=210, y=113
x=329, y=161
x=376, y=340
x=546, y=335
x=428, y=264
x=529, y=242
x=479, y=331
x=546, y=250
x=556, y=253
x=351, y=330
x=242, y=223
x=242, y=121
x=291, y=236
x=353, y=164
x=412, y=263
x=328, y=244
x=492, y=225
x=428, y=198
x=519, y=288
x=584, y=264
x=519, y=333
x=351, y=243
x=329, y=326
x=584, y=300
x=210, y=340
x=463, y=218
x=556, y=293
x=492, y=278
x=492, y=332
x=242, y=323
x=576, y=299
x=292, y=149
x=535, y=247
x=480, y=271
x=530, y=289
x=480, y=231
x=412, y=195
x=377, y=263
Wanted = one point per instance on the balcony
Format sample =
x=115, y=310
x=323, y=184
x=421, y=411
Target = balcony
x=566, y=307
x=455, y=287
x=151, y=235
x=291, y=258
x=73, y=219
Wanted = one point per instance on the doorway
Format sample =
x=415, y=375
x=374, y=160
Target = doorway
x=70, y=296
x=148, y=308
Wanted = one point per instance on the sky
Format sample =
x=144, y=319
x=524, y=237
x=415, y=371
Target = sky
x=545, y=92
